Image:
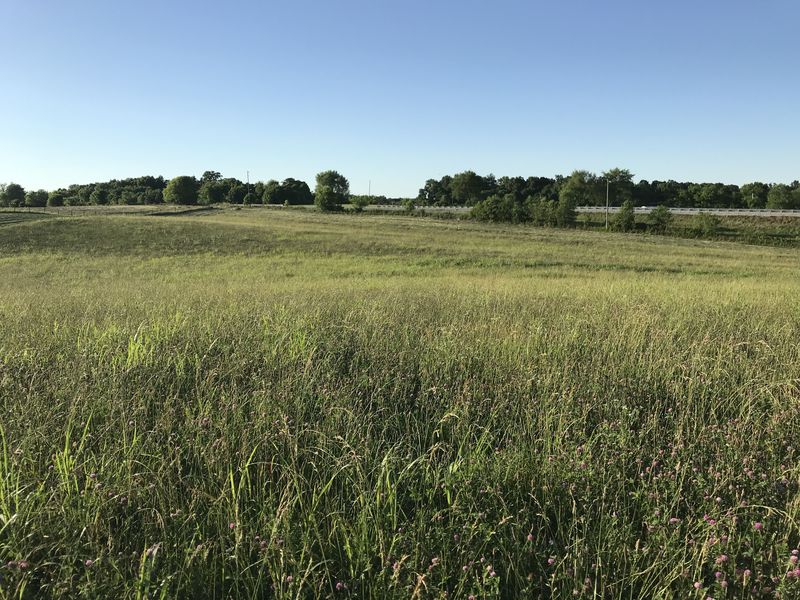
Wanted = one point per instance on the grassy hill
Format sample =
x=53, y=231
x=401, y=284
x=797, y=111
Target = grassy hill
x=276, y=403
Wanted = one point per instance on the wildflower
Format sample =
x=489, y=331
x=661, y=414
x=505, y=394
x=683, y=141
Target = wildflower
x=718, y=574
x=722, y=558
x=758, y=526
x=88, y=563
x=551, y=561
x=747, y=573
x=231, y=525
x=674, y=521
x=793, y=559
x=23, y=565
x=289, y=579
x=530, y=537
x=697, y=585
x=339, y=586
x=723, y=584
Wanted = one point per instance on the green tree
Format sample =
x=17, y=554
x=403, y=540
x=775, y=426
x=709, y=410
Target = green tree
x=625, y=219
x=620, y=185
x=99, y=196
x=325, y=198
x=249, y=198
x=294, y=191
x=436, y=193
x=755, y=194
x=209, y=176
x=36, y=198
x=359, y=203
x=577, y=190
x=212, y=192
x=542, y=210
x=182, y=190
x=57, y=198
x=467, y=188
x=236, y=194
x=780, y=196
x=332, y=190
x=706, y=225
x=272, y=193
x=13, y=195
x=660, y=219
x=580, y=187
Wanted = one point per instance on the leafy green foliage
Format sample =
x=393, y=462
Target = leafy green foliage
x=332, y=190
x=781, y=196
x=466, y=188
x=625, y=219
x=706, y=225
x=36, y=198
x=359, y=203
x=13, y=194
x=182, y=190
x=212, y=191
x=660, y=219
x=56, y=198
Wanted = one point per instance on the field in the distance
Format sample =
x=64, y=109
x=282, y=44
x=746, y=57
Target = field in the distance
x=262, y=403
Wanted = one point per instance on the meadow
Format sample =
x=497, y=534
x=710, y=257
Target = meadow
x=267, y=403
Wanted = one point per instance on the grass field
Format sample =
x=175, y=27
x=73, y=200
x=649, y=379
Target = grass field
x=261, y=403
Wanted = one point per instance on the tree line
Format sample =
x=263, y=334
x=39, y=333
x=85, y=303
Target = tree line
x=520, y=199
x=589, y=189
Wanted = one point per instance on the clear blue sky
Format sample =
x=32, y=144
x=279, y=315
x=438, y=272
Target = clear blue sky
x=398, y=92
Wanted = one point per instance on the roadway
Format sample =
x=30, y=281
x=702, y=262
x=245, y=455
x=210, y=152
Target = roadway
x=639, y=210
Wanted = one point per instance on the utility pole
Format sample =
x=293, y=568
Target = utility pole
x=607, y=184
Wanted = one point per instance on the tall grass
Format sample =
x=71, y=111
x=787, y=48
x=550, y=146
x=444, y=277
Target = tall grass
x=288, y=405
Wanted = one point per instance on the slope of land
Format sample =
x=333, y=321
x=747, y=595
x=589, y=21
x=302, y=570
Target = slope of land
x=267, y=403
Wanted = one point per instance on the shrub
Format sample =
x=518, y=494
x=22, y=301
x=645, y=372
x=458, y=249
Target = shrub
x=625, y=220
x=660, y=219
x=706, y=225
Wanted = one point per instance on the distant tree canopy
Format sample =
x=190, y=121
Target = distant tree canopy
x=543, y=199
x=182, y=190
x=36, y=198
x=12, y=194
x=532, y=196
x=291, y=191
x=332, y=190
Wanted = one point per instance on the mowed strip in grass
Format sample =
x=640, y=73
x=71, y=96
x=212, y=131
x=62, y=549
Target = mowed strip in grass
x=270, y=403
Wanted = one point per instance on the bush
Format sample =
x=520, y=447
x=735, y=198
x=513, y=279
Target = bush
x=706, y=225
x=542, y=211
x=625, y=219
x=359, y=203
x=660, y=219
x=182, y=190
